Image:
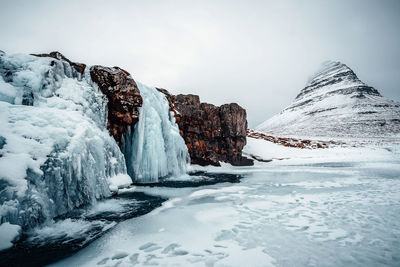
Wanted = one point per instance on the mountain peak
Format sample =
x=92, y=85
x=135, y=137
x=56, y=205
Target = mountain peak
x=335, y=77
x=336, y=102
x=330, y=67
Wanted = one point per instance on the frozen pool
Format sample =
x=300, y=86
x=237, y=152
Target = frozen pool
x=316, y=214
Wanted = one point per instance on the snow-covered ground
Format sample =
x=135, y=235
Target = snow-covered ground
x=329, y=207
x=357, y=150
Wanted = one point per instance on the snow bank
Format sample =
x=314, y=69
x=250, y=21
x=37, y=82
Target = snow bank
x=120, y=180
x=278, y=153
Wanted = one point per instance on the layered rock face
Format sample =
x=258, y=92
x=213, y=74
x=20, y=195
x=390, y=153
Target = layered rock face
x=212, y=134
x=336, y=103
x=123, y=96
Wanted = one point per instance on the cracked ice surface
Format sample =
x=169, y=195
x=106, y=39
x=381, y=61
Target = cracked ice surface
x=284, y=213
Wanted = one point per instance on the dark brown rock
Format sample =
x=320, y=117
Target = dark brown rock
x=123, y=96
x=79, y=67
x=211, y=133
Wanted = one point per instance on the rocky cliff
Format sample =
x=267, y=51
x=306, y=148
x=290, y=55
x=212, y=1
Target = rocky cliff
x=123, y=96
x=118, y=86
x=212, y=134
x=336, y=103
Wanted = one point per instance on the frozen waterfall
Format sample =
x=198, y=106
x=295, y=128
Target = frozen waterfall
x=55, y=151
x=155, y=148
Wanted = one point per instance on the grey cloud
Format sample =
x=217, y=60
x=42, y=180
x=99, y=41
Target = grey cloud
x=256, y=53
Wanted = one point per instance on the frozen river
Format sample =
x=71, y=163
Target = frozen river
x=277, y=214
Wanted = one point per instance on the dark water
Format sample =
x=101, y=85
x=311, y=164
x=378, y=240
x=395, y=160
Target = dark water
x=200, y=178
x=32, y=249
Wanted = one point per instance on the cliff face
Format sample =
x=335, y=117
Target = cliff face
x=212, y=134
x=121, y=90
x=123, y=96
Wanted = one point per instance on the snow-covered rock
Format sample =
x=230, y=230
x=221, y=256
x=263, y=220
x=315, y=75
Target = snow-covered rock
x=55, y=151
x=335, y=103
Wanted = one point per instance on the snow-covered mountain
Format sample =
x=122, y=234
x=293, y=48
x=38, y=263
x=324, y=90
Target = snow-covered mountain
x=335, y=103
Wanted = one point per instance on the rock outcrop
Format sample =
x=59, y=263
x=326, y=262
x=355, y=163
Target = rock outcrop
x=212, y=134
x=118, y=86
x=123, y=96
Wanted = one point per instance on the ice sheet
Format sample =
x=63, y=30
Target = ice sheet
x=317, y=213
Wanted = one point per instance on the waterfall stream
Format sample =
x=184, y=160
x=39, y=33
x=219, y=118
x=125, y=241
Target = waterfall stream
x=155, y=148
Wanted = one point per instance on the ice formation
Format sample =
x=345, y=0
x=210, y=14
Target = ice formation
x=155, y=148
x=55, y=151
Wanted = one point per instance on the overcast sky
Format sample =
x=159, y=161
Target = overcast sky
x=256, y=53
